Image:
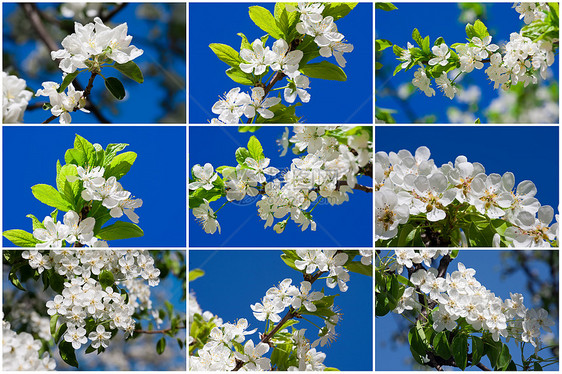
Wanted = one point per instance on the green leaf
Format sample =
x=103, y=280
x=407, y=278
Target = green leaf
x=255, y=148
x=385, y=6
x=477, y=349
x=239, y=76
x=358, y=267
x=120, y=165
x=130, y=70
x=286, y=21
x=247, y=129
x=477, y=120
x=56, y=282
x=120, y=230
x=439, y=41
x=106, y=279
x=324, y=70
x=265, y=21
x=90, y=349
x=60, y=331
x=115, y=87
x=537, y=367
x=53, y=324
x=480, y=29
x=504, y=358
x=70, y=191
x=36, y=224
x=397, y=50
x=241, y=155
x=76, y=157
x=245, y=44
x=382, y=44
x=226, y=54
x=50, y=196
x=425, y=45
x=460, y=350
x=67, y=353
x=67, y=80
x=161, y=346
x=111, y=151
x=338, y=10
x=13, y=276
x=195, y=273
x=470, y=33
x=441, y=345
x=85, y=146
x=417, y=37
x=20, y=238
x=416, y=342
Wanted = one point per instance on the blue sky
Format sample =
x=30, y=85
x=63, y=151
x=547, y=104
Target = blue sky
x=147, y=95
x=438, y=19
x=331, y=101
x=157, y=176
x=348, y=224
x=488, y=266
x=530, y=153
x=249, y=274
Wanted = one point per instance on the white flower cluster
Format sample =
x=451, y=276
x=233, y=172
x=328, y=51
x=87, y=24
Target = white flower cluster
x=531, y=11
x=62, y=104
x=317, y=174
x=89, y=47
x=83, y=296
x=14, y=98
x=71, y=231
x=21, y=352
x=108, y=191
x=37, y=325
x=460, y=295
x=327, y=260
x=409, y=184
x=409, y=257
x=92, y=44
x=282, y=59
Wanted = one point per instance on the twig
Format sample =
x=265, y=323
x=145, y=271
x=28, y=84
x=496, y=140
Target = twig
x=49, y=119
x=113, y=12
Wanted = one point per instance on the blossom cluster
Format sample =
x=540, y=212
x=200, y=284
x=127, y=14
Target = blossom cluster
x=460, y=295
x=14, y=98
x=409, y=185
x=328, y=171
x=518, y=61
x=83, y=297
x=21, y=351
x=74, y=229
x=284, y=60
x=90, y=47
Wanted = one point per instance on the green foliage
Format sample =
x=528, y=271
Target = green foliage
x=385, y=6
x=358, y=267
x=226, y=54
x=238, y=76
x=339, y=10
x=255, y=149
x=460, y=350
x=324, y=70
x=194, y=274
x=120, y=165
x=67, y=80
x=50, y=196
x=161, y=345
x=441, y=345
x=120, y=230
x=115, y=87
x=130, y=70
x=477, y=349
x=106, y=279
x=382, y=44
x=241, y=155
x=265, y=21
x=20, y=238
x=67, y=353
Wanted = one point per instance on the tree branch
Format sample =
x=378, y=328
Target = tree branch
x=113, y=12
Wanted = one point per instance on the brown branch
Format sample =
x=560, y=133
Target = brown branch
x=49, y=119
x=113, y=12
x=276, y=78
x=443, y=265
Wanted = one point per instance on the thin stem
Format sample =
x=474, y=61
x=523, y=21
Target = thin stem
x=222, y=206
x=312, y=323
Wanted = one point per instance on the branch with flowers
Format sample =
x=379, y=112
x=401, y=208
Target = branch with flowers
x=419, y=204
x=92, y=48
x=524, y=59
x=87, y=189
x=455, y=320
x=215, y=345
x=97, y=295
x=303, y=32
x=330, y=160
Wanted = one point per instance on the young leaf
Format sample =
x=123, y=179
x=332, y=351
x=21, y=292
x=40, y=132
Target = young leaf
x=441, y=345
x=195, y=273
x=255, y=148
x=120, y=230
x=339, y=10
x=226, y=54
x=70, y=191
x=67, y=353
x=20, y=238
x=106, y=279
x=358, y=267
x=76, y=157
x=239, y=76
x=241, y=155
x=130, y=70
x=161, y=346
x=50, y=196
x=382, y=44
x=120, y=165
x=67, y=80
x=115, y=87
x=85, y=146
x=53, y=324
x=385, y=6
x=480, y=29
x=324, y=70
x=477, y=349
x=265, y=21
x=417, y=37
x=60, y=331
x=460, y=350
x=13, y=276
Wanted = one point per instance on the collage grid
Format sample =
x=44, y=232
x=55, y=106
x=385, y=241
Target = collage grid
x=145, y=158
